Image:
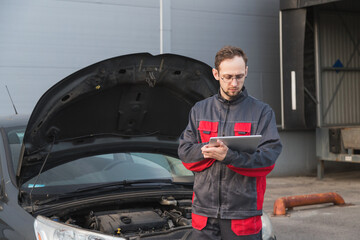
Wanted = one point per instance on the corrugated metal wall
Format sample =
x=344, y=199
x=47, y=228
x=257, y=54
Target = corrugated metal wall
x=339, y=39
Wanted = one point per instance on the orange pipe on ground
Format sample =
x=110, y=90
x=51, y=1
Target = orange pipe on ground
x=282, y=203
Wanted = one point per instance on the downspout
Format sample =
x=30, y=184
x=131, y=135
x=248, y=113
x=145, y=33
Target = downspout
x=165, y=26
x=161, y=28
x=281, y=72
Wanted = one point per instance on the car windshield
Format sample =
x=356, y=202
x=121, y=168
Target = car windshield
x=104, y=168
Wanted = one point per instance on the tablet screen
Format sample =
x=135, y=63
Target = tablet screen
x=239, y=143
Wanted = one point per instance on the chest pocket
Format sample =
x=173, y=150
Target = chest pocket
x=242, y=129
x=207, y=130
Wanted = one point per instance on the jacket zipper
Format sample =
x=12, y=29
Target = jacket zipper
x=220, y=177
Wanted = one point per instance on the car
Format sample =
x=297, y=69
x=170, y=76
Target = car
x=97, y=157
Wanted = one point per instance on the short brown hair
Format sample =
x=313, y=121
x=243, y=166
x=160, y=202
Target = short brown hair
x=228, y=52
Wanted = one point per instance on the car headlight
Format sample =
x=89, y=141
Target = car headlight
x=47, y=229
x=267, y=229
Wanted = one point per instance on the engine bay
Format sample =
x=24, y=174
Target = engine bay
x=164, y=219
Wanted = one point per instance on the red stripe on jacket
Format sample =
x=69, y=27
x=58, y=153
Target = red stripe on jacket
x=252, y=172
x=200, y=165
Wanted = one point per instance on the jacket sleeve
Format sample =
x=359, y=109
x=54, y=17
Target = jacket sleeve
x=262, y=161
x=190, y=147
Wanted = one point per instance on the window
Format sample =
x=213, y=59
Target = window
x=112, y=168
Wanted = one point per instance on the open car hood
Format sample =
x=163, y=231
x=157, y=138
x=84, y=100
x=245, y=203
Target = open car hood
x=136, y=102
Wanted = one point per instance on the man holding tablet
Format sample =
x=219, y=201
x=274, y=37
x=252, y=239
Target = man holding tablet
x=229, y=184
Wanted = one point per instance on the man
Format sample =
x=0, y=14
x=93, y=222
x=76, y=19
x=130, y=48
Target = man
x=229, y=186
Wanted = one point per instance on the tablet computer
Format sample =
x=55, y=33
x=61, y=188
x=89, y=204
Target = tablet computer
x=239, y=143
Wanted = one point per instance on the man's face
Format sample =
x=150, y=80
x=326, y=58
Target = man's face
x=231, y=75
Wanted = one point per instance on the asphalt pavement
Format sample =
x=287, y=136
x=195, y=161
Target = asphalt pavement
x=321, y=221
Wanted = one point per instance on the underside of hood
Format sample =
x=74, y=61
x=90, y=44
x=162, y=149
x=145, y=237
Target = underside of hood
x=121, y=102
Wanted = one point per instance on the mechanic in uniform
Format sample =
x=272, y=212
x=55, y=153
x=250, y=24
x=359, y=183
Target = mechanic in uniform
x=229, y=186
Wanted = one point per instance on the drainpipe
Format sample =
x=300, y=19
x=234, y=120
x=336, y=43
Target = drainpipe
x=165, y=26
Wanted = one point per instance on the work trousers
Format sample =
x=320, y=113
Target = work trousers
x=220, y=229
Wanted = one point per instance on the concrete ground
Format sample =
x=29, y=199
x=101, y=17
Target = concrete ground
x=321, y=221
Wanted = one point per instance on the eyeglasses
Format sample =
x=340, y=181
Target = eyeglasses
x=228, y=78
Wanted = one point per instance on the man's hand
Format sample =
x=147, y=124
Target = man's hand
x=216, y=151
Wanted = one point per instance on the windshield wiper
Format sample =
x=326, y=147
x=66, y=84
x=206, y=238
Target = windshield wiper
x=105, y=187
x=121, y=184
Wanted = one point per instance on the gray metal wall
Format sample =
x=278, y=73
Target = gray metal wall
x=202, y=27
x=298, y=154
x=43, y=41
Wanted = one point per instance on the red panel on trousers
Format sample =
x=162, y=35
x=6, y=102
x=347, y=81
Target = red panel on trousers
x=246, y=226
x=198, y=222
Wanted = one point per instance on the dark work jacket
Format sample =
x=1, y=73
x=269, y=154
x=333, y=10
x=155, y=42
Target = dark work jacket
x=233, y=188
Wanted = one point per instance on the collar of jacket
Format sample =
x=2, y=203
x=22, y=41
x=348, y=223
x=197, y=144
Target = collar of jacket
x=239, y=98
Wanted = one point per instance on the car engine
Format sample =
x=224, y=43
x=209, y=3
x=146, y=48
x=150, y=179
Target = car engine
x=167, y=219
x=134, y=221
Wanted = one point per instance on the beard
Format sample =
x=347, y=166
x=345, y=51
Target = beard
x=231, y=95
